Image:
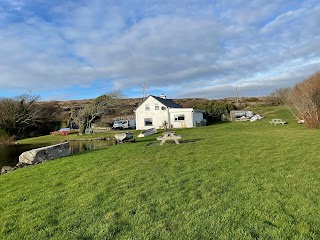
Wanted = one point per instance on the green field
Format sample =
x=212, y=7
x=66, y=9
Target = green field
x=243, y=180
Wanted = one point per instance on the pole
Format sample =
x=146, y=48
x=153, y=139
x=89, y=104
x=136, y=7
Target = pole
x=237, y=95
x=144, y=90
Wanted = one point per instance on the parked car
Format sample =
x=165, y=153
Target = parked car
x=124, y=124
x=62, y=131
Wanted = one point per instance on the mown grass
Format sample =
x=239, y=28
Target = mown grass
x=227, y=181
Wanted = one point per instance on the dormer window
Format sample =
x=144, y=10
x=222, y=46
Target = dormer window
x=156, y=106
x=147, y=107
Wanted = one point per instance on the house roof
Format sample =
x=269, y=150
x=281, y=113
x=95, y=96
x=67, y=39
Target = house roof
x=167, y=102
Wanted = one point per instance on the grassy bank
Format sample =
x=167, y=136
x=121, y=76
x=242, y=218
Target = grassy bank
x=228, y=181
x=74, y=136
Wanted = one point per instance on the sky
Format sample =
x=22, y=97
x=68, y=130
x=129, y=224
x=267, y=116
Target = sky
x=77, y=49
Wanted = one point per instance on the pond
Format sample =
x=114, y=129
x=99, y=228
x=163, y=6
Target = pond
x=9, y=154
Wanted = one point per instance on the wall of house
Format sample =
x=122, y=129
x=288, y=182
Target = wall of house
x=197, y=117
x=175, y=113
x=157, y=112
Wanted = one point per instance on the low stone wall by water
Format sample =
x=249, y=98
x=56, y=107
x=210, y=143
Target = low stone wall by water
x=39, y=155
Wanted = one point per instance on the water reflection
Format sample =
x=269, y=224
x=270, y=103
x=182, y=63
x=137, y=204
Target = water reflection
x=80, y=146
x=9, y=154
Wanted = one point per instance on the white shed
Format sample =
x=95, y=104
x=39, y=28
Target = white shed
x=154, y=111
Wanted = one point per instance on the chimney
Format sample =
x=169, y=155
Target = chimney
x=163, y=96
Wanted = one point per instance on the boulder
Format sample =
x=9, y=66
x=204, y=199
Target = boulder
x=20, y=165
x=40, y=155
x=6, y=169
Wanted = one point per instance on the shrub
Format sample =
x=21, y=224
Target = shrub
x=23, y=116
x=4, y=137
x=305, y=100
x=278, y=97
x=214, y=110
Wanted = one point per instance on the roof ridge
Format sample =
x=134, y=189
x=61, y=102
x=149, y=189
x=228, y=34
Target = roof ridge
x=167, y=102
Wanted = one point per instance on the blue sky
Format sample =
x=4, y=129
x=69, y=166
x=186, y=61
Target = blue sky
x=76, y=49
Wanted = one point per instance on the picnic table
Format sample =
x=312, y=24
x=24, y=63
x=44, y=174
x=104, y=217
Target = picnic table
x=276, y=121
x=169, y=136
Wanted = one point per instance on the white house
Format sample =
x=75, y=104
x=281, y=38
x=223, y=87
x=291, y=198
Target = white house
x=154, y=111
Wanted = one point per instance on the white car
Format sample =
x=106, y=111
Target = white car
x=124, y=124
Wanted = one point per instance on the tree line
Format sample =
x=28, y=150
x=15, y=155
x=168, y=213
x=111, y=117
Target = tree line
x=24, y=116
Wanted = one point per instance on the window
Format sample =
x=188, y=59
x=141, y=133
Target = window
x=179, y=117
x=148, y=122
x=156, y=106
x=147, y=107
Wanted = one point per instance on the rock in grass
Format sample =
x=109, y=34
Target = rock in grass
x=20, y=165
x=40, y=155
x=6, y=169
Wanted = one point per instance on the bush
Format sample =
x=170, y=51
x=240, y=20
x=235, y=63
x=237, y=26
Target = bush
x=305, y=100
x=279, y=97
x=24, y=117
x=214, y=110
x=4, y=137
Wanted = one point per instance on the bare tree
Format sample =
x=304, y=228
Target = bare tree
x=16, y=114
x=24, y=116
x=48, y=117
x=85, y=116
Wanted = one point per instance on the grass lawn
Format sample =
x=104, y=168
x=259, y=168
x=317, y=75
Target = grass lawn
x=238, y=180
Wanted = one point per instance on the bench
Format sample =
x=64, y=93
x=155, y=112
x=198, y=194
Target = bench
x=169, y=136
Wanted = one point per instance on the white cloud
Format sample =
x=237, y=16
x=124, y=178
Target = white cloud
x=200, y=47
